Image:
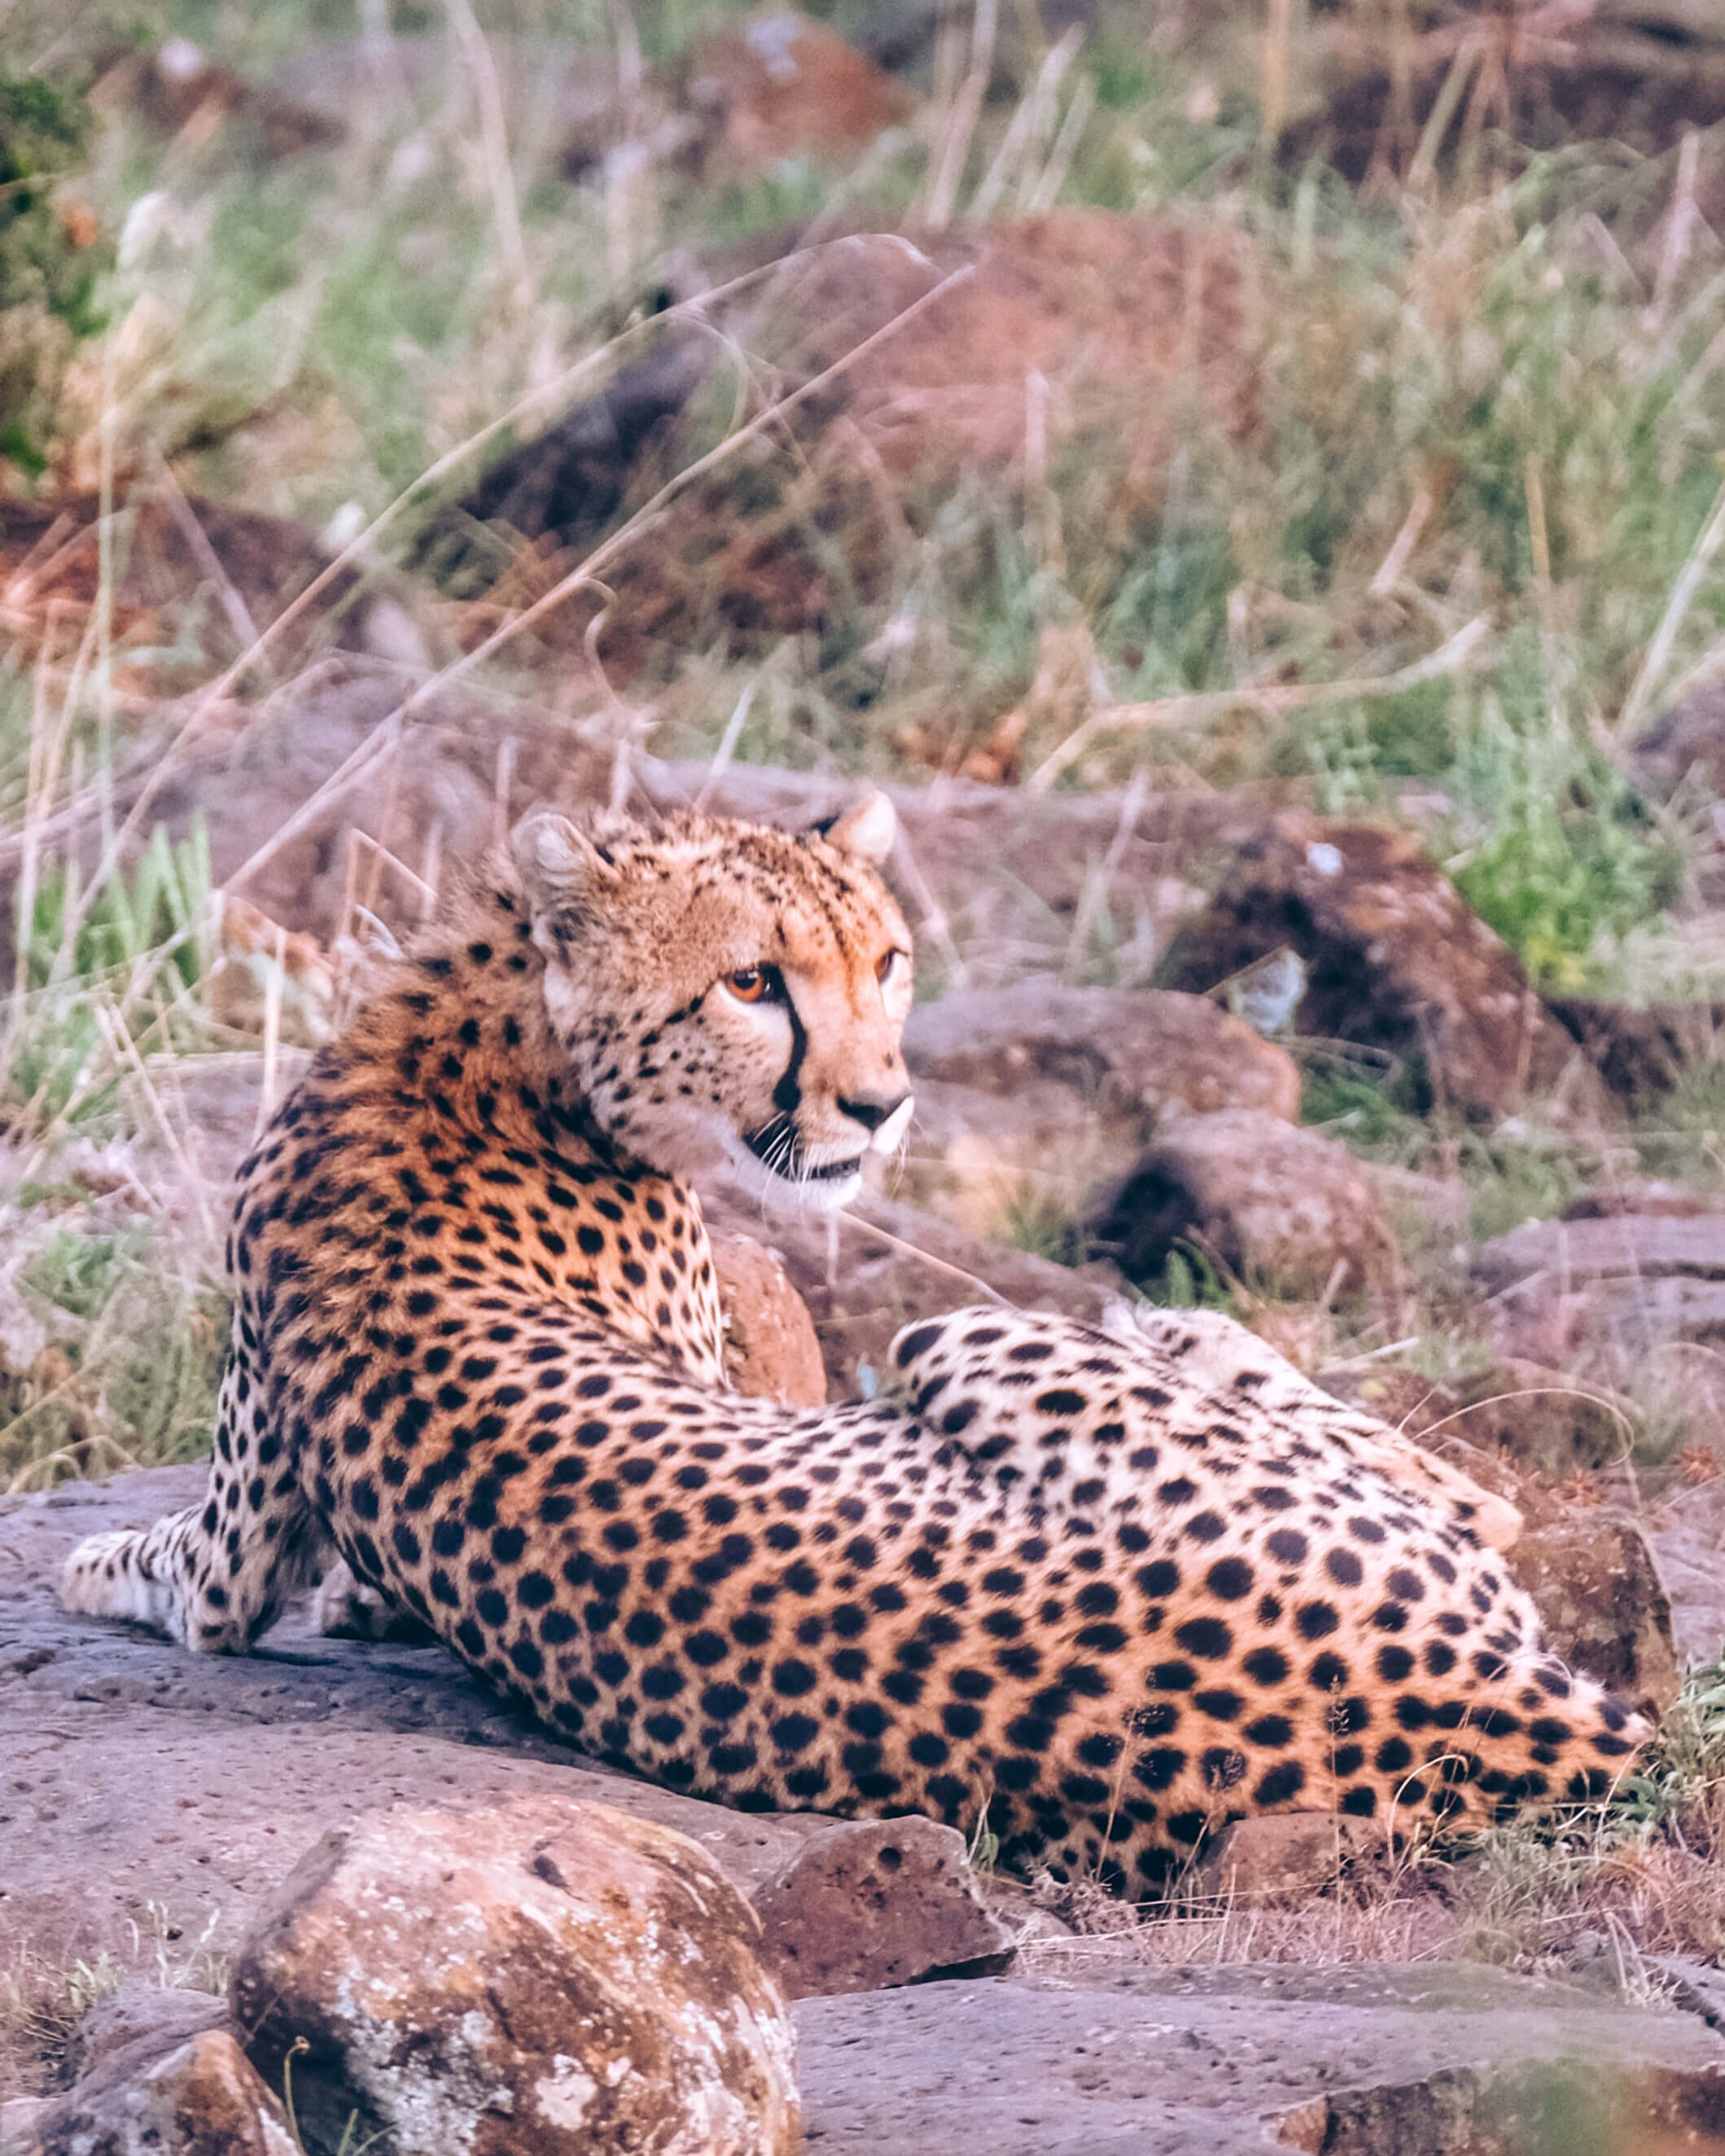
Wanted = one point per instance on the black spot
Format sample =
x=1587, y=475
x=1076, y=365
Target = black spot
x=1220, y=1706
x=1284, y=1781
x=1208, y=1636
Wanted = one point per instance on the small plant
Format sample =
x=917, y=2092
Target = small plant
x=91, y=972
x=50, y=267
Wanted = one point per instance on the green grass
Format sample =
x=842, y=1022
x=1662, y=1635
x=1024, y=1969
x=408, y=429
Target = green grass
x=135, y=1344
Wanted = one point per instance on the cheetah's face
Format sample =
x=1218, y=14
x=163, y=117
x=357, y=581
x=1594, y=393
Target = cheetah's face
x=729, y=997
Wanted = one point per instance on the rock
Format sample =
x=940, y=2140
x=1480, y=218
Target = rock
x=1245, y=2059
x=1641, y=1052
x=1649, y=1194
x=138, y=2022
x=177, y=90
x=539, y=1973
x=20, y=2119
x=1686, y=1535
x=877, y=1902
x=161, y=592
x=1279, y=1206
x=1012, y=1168
x=1128, y=316
x=867, y=1273
x=1028, y=1097
x=201, y=2098
x=770, y=1350
x=1686, y=738
x=1607, y=1294
x=1003, y=873
x=145, y=1786
x=1594, y=1583
x=1395, y=958
x=1138, y=1055
x=1276, y=1856
x=782, y=87
x=1628, y=1245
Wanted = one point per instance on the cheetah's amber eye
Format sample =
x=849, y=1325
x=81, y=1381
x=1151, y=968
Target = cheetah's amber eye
x=752, y=985
x=889, y=968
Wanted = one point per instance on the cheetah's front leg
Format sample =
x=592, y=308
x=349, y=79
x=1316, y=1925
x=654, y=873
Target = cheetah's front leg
x=213, y=1577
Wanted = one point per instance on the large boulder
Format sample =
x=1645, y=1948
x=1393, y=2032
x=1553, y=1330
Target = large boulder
x=1394, y=958
x=1282, y=1207
x=539, y=1973
x=1133, y=1054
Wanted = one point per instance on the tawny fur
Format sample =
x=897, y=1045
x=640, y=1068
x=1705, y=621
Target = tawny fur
x=1104, y=1592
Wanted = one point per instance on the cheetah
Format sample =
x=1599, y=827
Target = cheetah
x=1098, y=1593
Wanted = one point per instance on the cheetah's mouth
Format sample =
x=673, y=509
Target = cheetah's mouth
x=778, y=1153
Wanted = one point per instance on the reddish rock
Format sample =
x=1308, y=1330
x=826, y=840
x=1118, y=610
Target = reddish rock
x=539, y=1973
x=1593, y=1580
x=1394, y=957
x=1278, y=1855
x=202, y=2098
x=782, y=87
x=770, y=1350
x=882, y=1265
x=878, y=1902
x=1641, y=1052
x=1136, y=1054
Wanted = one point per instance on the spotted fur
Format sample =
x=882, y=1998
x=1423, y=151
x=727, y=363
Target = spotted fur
x=1102, y=1592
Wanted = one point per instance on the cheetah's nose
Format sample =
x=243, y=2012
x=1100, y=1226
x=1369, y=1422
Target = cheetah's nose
x=870, y=1110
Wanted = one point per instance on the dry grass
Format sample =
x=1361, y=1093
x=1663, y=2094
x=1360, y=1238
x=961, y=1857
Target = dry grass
x=42, y=2001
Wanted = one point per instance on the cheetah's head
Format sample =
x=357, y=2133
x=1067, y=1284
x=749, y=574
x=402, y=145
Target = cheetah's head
x=730, y=996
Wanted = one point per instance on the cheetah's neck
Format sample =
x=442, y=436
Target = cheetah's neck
x=452, y=1078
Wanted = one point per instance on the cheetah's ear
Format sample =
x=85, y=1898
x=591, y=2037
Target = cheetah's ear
x=562, y=870
x=866, y=830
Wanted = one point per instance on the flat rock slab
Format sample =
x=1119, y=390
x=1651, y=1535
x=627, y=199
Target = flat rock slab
x=137, y=1778
x=1364, y=2060
x=1687, y=1539
x=1641, y=1246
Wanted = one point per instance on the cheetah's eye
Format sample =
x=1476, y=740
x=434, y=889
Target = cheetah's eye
x=754, y=984
x=890, y=969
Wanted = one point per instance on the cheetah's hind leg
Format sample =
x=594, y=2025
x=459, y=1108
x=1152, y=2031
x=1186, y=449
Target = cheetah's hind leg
x=344, y=1609
x=1216, y=1351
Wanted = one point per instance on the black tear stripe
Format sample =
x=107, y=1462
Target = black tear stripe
x=788, y=1093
